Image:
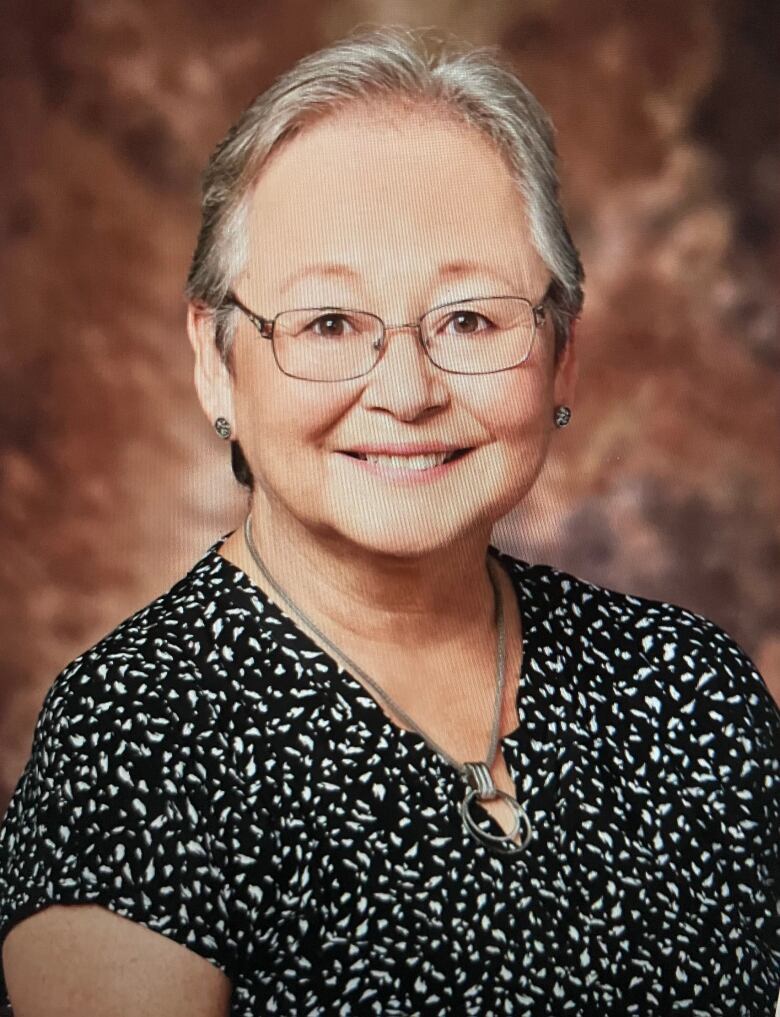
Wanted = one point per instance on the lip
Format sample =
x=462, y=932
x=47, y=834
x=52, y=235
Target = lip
x=405, y=477
x=404, y=449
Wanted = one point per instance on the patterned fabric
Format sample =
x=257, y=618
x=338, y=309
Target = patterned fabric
x=208, y=771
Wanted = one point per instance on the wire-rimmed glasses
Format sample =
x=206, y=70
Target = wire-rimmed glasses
x=481, y=335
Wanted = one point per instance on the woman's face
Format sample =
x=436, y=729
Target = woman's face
x=392, y=216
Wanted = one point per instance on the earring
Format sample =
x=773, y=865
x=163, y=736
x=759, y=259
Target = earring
x=562, y=416
x=222, y=427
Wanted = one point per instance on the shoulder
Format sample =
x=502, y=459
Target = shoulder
x=657, y=632
x=154, y=665
x=128, y=719
x=674, y=695
x=663, y=657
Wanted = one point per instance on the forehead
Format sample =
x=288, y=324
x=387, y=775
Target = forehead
x=381, y=187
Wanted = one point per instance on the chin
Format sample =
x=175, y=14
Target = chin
x=396, y=540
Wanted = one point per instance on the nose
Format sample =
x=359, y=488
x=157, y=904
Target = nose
x=404, y=380
x=413, y=325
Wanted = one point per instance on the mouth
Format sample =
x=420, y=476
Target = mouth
x=425, y=460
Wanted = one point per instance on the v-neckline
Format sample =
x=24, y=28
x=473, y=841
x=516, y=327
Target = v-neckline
x=366, y=709
x=361, y=701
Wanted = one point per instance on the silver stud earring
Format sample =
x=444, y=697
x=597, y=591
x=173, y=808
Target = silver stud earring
x=562, y=416
x=222, y=427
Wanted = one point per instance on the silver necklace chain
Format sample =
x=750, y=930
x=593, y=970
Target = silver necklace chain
x=477, y=773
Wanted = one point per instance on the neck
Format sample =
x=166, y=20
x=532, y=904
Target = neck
x=415, y=601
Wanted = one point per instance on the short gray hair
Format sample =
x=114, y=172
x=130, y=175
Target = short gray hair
x=395, y=65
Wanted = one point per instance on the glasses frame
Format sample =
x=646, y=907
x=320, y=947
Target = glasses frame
x=265, y=327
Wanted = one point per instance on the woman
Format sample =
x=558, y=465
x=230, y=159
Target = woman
x=358, y=760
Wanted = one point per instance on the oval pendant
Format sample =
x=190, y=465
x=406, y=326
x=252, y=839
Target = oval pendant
x=482, y=787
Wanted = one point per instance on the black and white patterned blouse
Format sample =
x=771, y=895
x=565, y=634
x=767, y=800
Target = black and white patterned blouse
x=208, y=771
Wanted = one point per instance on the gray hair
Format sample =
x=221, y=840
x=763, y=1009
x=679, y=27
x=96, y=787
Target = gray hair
x=395, y=65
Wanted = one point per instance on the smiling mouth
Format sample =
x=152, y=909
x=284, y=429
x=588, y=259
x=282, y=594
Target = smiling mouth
x=450, y=457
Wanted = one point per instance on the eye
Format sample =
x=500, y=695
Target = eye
x=331, y=325
x=466, y=322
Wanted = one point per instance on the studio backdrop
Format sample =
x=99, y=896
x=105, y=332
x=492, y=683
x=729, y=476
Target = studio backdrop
x=666, y=482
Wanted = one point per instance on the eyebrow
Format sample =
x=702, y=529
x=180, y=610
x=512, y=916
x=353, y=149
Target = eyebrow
x=338, y=270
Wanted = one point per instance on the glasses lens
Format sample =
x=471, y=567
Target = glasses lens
x=480, y=336
x=326, y=345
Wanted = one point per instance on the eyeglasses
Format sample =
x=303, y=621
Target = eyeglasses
x=481, y=335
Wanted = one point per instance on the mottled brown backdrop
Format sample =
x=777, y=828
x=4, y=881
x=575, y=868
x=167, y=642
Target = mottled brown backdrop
x=665, y=484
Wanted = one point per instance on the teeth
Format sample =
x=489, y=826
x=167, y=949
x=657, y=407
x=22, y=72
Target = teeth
x=424, y=462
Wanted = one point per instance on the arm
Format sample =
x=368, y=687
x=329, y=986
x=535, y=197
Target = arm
x=86, y=961
x=736, y=725
x=114, y=865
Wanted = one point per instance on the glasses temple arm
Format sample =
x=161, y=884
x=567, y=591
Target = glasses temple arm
x=263, y=325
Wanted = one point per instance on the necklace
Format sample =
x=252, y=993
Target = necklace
x=476, y=774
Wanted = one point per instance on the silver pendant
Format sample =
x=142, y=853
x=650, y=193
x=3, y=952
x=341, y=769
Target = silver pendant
x=477, y=775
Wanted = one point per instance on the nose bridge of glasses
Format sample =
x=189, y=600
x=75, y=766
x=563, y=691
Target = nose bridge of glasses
x=381, y=342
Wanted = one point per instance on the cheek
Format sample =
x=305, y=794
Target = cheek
x=296, y=415
x=513, y=404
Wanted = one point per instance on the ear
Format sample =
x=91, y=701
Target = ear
x=566, y=371
x=212, y=379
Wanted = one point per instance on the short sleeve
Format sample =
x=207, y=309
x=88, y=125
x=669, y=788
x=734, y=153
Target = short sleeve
x=736, y=724
x=121, y=805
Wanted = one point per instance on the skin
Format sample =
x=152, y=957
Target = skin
x=393, y=196
x=86, y=961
